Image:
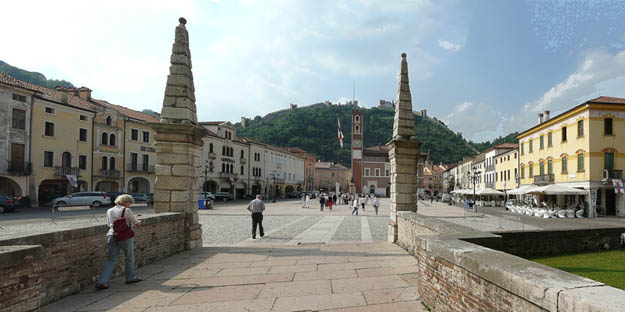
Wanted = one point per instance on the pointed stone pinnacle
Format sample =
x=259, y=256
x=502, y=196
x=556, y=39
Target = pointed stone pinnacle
x=403, y=125
x=179, y=102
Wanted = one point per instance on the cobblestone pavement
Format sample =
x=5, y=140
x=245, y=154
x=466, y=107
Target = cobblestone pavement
x=337, y=277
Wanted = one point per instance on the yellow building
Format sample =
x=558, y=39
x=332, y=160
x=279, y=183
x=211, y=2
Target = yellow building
x=135, y=154
x=506, y=168
x=61, y=138
x=584, y=148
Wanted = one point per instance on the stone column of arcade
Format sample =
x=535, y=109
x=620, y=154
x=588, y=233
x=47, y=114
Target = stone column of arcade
x=178, y=142
x=403, y=154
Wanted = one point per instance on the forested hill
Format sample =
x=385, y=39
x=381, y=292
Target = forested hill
x=33, y=77
x=314, y=129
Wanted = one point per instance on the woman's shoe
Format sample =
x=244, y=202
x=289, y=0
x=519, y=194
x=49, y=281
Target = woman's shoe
x=136, y=280
x=101, y=286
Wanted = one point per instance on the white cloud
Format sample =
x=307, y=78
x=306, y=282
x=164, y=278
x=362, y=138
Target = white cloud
x=449, y=46
x=599, y=73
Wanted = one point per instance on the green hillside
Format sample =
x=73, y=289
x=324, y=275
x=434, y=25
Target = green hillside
x=313, y=129
x=33, y=77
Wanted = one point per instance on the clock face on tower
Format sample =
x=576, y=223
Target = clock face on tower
x=357, y=143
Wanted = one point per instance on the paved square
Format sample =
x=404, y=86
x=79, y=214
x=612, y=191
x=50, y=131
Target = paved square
x=323, y=277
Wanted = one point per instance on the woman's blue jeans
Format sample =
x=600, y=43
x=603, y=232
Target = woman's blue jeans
x=128, y=246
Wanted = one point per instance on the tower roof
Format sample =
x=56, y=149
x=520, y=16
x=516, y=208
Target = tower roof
x=403, y=127
x=179, y=102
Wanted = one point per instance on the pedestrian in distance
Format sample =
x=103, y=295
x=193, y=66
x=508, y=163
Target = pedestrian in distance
x=257, y=207
x=376, y=204
x=330, y=202
x=362, y=202
x=355, y=205
x=307, y=201
x=321, y=202
x=303, y=200
x=120, y=236
x=431, y=199
x=334, y=198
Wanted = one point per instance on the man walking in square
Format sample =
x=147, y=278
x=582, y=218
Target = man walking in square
x=256, y=207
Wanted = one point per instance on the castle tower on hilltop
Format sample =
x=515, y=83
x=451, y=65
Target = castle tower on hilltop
x=357, y=131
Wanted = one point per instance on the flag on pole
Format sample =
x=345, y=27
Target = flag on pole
x=340, y=133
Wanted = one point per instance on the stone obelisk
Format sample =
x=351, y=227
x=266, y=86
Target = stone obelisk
x=179, y=142
x=403, y=154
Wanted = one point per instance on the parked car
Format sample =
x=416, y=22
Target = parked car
x=7, y=204
x=223, y=196
x=95, y=199
x=139, y=197
x=113, y=195
x=446, y=198
x=150, y=197
x=293, y=195
x=206, y=195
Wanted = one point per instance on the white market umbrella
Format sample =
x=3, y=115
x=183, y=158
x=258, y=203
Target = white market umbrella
x=558, y=189
x=488, y=191
x=521, y=190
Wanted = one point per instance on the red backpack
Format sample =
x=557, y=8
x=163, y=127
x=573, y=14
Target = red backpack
x=122, y=229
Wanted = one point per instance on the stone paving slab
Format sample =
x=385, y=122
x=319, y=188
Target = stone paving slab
x=324, y=277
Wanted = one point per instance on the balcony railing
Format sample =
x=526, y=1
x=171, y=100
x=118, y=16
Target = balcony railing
x=140, y=168
x=64, y=171
x=228, y=175
x=615, y=174
x=489, y=168
x=212, y=156
x=19, y=168
x=543, y=179
x=490, y=185
x=243, y=161
x=112, y=174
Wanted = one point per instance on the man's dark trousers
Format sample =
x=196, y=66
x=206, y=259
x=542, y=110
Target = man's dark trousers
x=257, y=219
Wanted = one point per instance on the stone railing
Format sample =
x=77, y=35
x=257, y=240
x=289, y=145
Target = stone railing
x=458, y=273
x=37, y=269
x=544, y=179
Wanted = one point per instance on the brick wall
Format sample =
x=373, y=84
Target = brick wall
x=20, y=286
x=458, y=275
x=71, y=259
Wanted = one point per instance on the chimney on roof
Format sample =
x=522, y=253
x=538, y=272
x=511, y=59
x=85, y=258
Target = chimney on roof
x=61, y=94
x=540, y=118
x=84, y=93
x=547, y=115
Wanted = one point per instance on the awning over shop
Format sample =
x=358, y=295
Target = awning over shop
x=557, y=189
x=488, y=191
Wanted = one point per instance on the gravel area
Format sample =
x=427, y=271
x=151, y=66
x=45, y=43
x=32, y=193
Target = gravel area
x=290, y=232
x=66, y=222
x=229, y=230
x=349, y=229
x=379, y=228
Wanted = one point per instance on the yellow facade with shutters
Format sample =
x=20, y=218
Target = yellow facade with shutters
x=59, y=149
x=506, y=167
x=583, y=147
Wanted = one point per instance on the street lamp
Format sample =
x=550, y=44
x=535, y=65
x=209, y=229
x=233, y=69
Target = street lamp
x=475, y=174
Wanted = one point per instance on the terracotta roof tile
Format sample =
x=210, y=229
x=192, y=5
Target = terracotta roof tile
x=46, y=93
x=127, y=111
x=608, y=99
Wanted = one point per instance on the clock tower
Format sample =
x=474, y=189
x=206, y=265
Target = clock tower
x=357, y=131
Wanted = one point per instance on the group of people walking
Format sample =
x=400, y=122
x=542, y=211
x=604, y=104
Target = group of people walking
x=356, y=201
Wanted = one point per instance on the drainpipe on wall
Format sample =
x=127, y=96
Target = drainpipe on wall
x=249, y=165
x=30, y=152
x=93, y=137
x=124, y=157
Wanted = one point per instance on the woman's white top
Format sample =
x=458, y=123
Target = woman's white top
x=116, y=213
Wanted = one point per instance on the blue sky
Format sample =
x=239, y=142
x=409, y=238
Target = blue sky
x=486, y=68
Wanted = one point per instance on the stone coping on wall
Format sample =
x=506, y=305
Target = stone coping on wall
x=10, y=255
x=78, y=231
x=546, y=287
